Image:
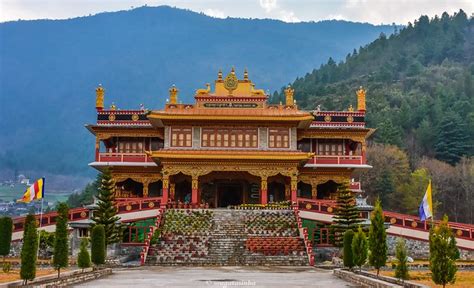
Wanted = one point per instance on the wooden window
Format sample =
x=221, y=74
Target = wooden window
x=181, y=137
x=330, y=147
x=237, y=138
x=279, y=138
x=131, y=145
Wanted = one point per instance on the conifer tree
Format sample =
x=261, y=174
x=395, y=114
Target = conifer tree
x=443, y=254
x=98, y=245
x=348, y=258
x=61, y=249
x=452, y=140
x=401, y=271
x=377, y=238
x=29, y=249
x=359, y=248
x=346, y=215
x=83, y=258
x=6, y=229
x=106, y=214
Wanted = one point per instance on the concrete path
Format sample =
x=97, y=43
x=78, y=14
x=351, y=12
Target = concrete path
x=220, y=277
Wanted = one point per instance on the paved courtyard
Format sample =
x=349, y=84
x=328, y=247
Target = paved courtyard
x=220, y=277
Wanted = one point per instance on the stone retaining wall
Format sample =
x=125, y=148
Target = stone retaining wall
x=406, y=284
x=67, y=279
x=362, y=280
x=420, y=249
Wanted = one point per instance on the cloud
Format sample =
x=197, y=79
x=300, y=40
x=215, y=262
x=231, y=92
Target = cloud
x=216, y=13
x=268, y=5
x=274, y=10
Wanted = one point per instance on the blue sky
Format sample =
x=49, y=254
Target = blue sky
x=372, y=11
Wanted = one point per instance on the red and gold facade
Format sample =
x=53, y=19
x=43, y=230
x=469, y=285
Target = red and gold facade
x=230, y=147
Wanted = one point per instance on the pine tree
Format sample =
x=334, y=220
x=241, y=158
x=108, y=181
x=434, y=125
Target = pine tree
x=359, y=248
x=6, y=229
x=377, y=238
x=443, y=254
x=83, y=258
x=29, y=249
x=401, y=271
x=346, y=215
x=98, y=245
x=348, y=258
x=106, y=213
x=61, y=249
x=452, y=140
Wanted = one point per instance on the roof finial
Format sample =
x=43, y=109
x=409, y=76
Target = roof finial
x=99, y=98
x=246, y=75
x=219, y=75
x=289, y=96
x=173, y=94
x=361, y=99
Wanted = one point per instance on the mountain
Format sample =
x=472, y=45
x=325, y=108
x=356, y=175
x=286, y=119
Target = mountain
x=420, y=97
x=50, y=68
x=420, y=87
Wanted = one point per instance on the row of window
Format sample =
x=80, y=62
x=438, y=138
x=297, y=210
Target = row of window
x=233, y=138
x=329, y=146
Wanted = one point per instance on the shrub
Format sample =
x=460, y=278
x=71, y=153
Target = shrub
x=29, y=249
x=98, y=245
x=61, y=249
x=348, y=258
x=6, y=267
x=83, y=258
x=359, y=248
x=6, y=229
x=401, y=270
x=377, y=238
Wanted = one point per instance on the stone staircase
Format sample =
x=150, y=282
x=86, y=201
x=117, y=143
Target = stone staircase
x=225, y=242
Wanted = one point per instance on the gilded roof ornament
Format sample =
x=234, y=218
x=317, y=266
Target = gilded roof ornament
x=231, y=82
x=99, y=101
x=350, y=109
x=361, y=99
x=173, y=94
x=204, y=91
x=256, y=92
x=246, y=75
x=219, y=75
x=289, y=92
x=113, y=107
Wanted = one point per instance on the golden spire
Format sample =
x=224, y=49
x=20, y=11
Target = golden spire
x=219, y=75
x=361, y=99
x=173, y=95
x=99, y=98
x=246, y=75
x=350, y=109
x=289, y=96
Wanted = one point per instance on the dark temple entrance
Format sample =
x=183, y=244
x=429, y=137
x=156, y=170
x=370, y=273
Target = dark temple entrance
x=229, y=194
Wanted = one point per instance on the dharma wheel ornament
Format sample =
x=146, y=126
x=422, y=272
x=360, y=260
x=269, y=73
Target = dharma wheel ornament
x=231, y=82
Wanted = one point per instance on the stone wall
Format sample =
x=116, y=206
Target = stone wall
x=67, y=279
x=420, y=249
x=361, y=280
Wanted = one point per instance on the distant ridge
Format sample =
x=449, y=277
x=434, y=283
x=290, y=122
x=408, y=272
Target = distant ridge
x=49, y=69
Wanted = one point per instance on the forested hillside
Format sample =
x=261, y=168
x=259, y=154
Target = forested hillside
x=420, y=97
x=50, y=68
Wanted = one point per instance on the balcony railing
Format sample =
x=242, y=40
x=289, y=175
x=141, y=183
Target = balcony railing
x=354, y=185
x=336, y=160
x=123, y=157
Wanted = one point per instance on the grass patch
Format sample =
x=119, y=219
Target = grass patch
x=464, y=279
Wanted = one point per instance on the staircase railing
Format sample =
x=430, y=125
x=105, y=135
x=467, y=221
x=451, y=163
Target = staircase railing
x=149, y=236
x=304, y=234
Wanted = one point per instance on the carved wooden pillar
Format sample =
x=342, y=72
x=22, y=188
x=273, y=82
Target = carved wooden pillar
x=166, y=183
x=294, y=187
x=263, y=190
x=97, y=147
x=287, y=192
x=146, y=184
x=314, y=190
x=172, y=191
x=364, y=147
x=194, y=187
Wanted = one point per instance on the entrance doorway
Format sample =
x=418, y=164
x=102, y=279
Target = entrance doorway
x=229, y=194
